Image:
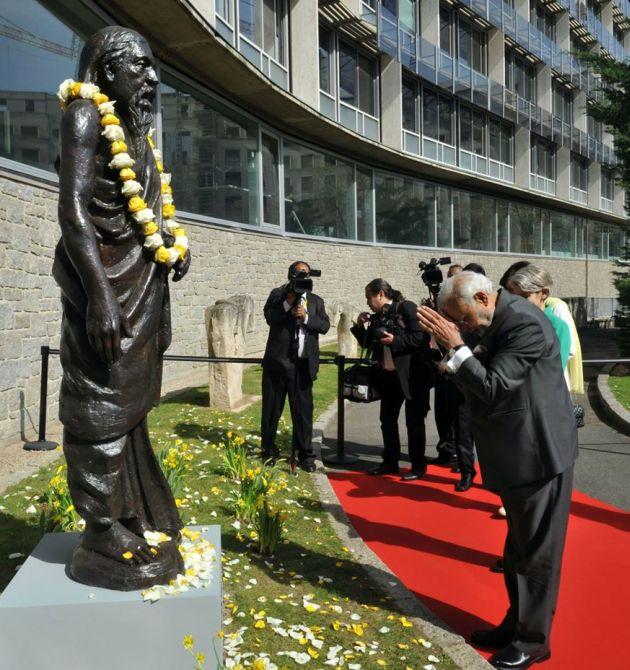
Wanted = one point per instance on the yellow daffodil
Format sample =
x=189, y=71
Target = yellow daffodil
x=188, y=642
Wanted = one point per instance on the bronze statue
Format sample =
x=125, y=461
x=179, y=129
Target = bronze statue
x=116, y=318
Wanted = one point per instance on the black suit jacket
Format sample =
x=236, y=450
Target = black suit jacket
x=520, y=407
x=410, y=349
x=281, y=350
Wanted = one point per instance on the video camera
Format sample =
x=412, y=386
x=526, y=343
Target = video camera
x=432, y=275
x=302, y=283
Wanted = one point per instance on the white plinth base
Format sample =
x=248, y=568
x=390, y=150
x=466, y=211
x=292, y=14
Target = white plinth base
x=49, y=622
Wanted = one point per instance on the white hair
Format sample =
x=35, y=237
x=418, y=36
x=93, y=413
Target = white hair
x=464, y=285
x=531, y=279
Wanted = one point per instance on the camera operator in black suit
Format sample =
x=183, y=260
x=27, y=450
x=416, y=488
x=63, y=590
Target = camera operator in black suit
x=403, y=375
x=296, y=318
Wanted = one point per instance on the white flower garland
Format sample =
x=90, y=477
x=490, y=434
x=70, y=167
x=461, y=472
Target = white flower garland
x=71, y=90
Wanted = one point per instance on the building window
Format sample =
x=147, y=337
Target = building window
x=619, y=33
x=562, y=102
x=438, y=112
x=325, y=60
x=472, y=130
x=520, y=76
x=579, y=172
x=39, y=50
x=500, y=141
x=409, y=104
x=525, y=230
x=608, y=184
x=357, y=79
x=461, y=38
x=474, y=225
x=271, y=197
x=262, y=22
x=594, y=128
x=543, y=158
x=405, y=211
x=318, y=200
x=217, y=142
x=543, y=19
x=365, y=208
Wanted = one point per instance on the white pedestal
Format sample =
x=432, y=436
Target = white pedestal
x=49, y=622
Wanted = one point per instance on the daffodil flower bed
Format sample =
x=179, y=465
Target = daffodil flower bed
x=308, y=604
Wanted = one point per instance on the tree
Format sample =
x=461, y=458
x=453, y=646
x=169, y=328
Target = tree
x=613, y=110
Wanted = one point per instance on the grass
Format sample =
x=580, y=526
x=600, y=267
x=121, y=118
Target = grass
x=311, y=562
x=621, y=388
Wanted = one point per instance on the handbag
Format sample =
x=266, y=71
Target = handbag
x=358, y=381
x=578, y=413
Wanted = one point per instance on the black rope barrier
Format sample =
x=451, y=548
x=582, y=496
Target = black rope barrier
x=327, y=358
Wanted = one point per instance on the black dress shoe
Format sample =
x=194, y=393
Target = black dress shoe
x=308, y=466
x=465, y=482
x=498, y=566
x=413, y=473
x=513, y=658
x=493, y=638
x=384, y=469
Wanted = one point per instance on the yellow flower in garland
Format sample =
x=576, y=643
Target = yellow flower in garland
x=110, y=120
x=168, y=211
x=118, y=147
x=127, y=173
x=149, y=228
x=136, y=203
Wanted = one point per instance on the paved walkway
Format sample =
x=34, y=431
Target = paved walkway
x=602, y=470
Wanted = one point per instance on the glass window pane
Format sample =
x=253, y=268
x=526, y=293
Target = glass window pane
x=365, y=210
x=463, y=43
x=324, y=60
x=409, y=105
x=595, y=239
x=272, y=25
x=212, y=153
x=478, y=134
x=443, y=202
x=445, y=31
x=446, y=120
x=465, y=128
x=405, y=211
x=494, y=139
x=474, y=225
x=319, y=200
x=31, y=71
x=430, y=114
x=503, y=223
x=562, y=234
x=347, y=74
x=507, y=135
x=250, y=20
x=407, y=13
x=524, y=229
x=366, y=85
x=271, y=201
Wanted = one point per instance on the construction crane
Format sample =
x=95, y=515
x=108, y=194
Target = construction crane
x=14, y=32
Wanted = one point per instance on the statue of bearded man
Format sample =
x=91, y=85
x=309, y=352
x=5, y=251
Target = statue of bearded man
x=115, y=328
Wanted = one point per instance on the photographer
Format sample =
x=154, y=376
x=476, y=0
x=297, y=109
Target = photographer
x=401, y=349
x=296, y=318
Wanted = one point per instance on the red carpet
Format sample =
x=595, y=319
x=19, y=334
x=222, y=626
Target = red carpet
x=441, y=544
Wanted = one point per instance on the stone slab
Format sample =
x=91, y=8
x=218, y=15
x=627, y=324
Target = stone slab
x=50, y=622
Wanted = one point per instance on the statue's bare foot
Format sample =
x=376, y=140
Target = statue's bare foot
x=136, y=526
x=118, y=543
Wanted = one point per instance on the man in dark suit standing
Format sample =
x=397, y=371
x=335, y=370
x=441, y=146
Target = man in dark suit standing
x=526, y=440
x=296, y=318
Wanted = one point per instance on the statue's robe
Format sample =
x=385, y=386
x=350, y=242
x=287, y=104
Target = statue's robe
x=113, y=474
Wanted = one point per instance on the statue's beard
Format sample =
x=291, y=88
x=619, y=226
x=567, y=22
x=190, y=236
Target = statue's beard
x=139, y=115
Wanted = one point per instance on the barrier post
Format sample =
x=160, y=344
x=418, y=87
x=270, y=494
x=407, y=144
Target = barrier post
x=341, y=457
x=42, y=444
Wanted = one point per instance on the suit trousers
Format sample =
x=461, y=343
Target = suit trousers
x=464, y=443
x=392, y=399
x=444, y=415
x=299, y=388
x=537, y=516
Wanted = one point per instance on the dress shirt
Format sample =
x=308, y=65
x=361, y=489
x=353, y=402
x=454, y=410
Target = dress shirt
x=457, y=359
x=300, y=331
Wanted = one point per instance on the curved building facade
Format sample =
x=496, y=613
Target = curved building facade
x=360, y=135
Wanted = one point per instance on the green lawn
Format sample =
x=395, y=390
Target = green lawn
x=621, y=388
x=351, y=612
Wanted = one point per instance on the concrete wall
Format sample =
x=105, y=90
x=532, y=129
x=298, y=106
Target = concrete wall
x=225, y=261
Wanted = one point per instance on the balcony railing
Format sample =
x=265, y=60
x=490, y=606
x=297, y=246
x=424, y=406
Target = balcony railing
x=447, y=72
x=578, y=195
x=543, y=184
x=606, y=204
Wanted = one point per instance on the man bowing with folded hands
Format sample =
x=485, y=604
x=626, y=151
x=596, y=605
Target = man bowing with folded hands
x=526, y=440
